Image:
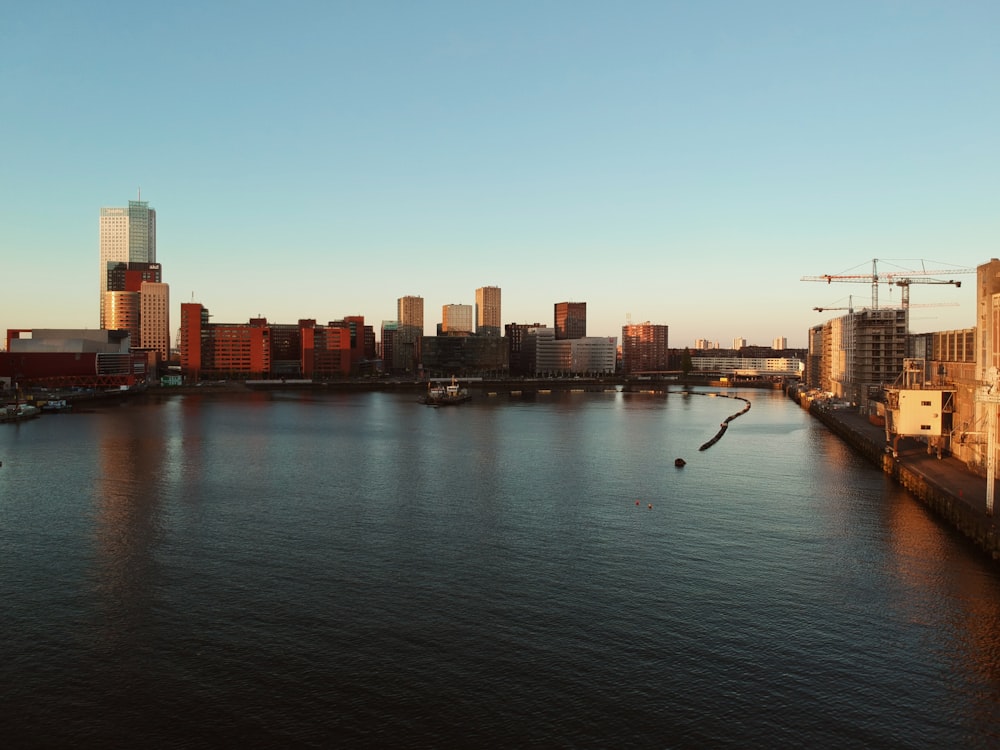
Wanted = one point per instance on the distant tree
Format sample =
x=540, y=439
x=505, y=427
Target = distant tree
x=686, y=364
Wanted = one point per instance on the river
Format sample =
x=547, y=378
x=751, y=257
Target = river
x=295, y=570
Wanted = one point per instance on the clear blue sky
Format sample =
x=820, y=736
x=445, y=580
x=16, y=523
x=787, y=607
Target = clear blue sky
x=684, y=163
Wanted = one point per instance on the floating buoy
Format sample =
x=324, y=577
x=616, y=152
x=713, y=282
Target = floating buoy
x=650, y=506
x=636, y=502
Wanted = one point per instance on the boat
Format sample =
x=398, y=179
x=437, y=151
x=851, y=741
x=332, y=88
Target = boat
x=57, y=405
x=445, y=395
x=18, y=412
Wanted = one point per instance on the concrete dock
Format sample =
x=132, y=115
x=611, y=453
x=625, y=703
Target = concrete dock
x=945, y=485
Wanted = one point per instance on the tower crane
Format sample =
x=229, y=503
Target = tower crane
x=904, y=285
x=849, y=308
x=874, y=278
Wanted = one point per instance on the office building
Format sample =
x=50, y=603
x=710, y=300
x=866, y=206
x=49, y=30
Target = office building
x=456, y=320
x=406, y=354
x=488, y=311
x=570, y=320
x=127, y=235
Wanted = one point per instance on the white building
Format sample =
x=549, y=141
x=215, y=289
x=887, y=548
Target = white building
x=590, y=355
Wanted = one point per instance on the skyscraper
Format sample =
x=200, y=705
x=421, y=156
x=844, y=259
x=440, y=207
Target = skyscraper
x=410, y=312
x=127, y=235
x=133, y=295
x=406, y=352
x=488, y=311
x=571, y=320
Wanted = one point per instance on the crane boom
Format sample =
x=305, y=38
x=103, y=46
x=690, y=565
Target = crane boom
x=901, y=278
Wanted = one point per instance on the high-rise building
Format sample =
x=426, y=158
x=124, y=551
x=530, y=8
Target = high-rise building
x=154, y=318
x=570, y=320
x=644, y=348
x=456, y=320
x=406, y=353
x=488, y=311
x=410, y=312
x=780, y=343
x=127, y=235
x=739, y=343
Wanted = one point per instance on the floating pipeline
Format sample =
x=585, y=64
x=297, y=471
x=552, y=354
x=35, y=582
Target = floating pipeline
x=725, y=423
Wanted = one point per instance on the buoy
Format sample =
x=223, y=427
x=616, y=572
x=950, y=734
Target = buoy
x=636, y=502
x=650, y=506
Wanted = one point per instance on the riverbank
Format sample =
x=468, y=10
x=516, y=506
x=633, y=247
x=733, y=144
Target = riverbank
x=945, y=485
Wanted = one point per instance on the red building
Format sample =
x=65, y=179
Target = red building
x=257, y=349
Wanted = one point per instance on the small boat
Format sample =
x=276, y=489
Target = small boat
x=679, y=462
x=57, y=405
x=445, y=395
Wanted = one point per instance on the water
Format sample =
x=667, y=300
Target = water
x=292, y=570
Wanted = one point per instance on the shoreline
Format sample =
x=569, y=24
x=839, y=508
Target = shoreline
x=944, y=485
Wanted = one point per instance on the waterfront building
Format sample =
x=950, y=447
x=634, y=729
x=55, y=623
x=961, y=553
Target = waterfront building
x=154, y=318
x=595, y=356
x=57, y=358
x=260, y=349
x=750, y=367
x=644, y=348
x=987, y=317
x=388, y=342
x=362, y=341
x=465, y=356
x=862, y=352
x=127, y=235
x=456, y=320
x=409, y=335
x=520, y=356
x=814, y=358
x=488, y=311
x=570, y=320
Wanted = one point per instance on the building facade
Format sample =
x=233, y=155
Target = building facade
x=644, y=348
x=488, y=311
x=570, y=320
x=406, y=355
x=127, y=235
x=456, y=320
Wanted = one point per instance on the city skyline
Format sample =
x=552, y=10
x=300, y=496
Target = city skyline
x=683, y=165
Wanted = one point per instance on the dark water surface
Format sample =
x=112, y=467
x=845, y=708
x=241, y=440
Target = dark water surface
x=282, y=570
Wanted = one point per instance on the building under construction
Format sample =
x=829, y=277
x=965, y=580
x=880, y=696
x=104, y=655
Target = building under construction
x=859, y=353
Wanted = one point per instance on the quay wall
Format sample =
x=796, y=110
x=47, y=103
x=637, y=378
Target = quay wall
x=958, y=498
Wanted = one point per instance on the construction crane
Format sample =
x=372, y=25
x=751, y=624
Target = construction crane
x=874, y=278
x=849, y=308
x=904, y=284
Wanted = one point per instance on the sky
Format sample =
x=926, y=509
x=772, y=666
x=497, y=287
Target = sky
x=682, y=163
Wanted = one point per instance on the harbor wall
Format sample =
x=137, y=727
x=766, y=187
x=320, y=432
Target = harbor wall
x=956, y=496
